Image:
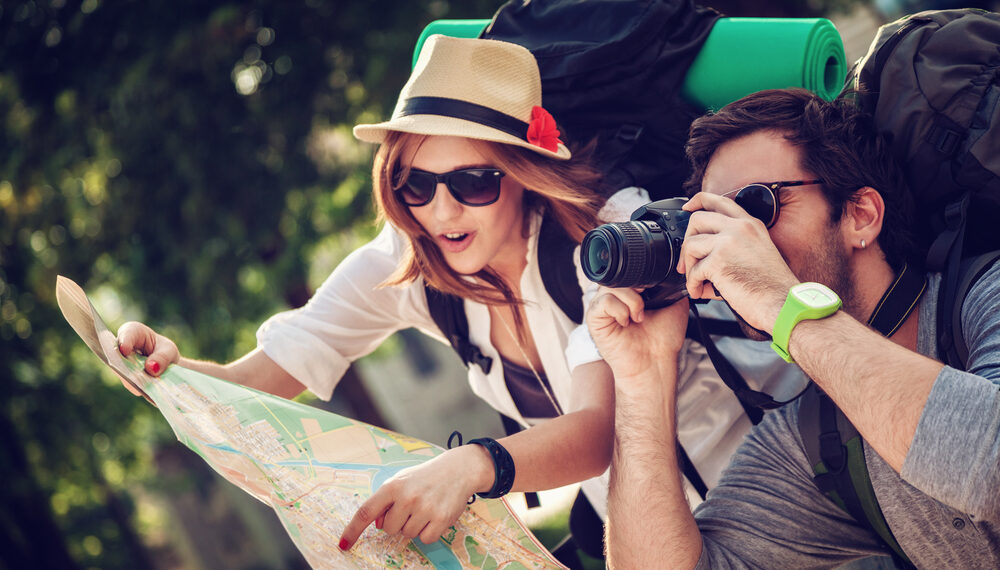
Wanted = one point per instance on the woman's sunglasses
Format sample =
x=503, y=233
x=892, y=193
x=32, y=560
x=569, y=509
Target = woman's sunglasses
x=760, y=199
x=470, y=186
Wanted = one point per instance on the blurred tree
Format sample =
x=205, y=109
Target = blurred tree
x=192, y=157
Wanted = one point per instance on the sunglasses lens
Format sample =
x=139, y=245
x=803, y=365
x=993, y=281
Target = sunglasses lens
x=418, y=189
x=476, y=187
x=758, y=201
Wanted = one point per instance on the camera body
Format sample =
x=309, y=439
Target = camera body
x=641, y=253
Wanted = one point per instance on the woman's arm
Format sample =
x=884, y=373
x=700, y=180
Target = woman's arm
x=310, y=347
x=255, y=369
x=425, y=500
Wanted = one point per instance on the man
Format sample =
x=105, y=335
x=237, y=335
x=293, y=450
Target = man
x=931, y=432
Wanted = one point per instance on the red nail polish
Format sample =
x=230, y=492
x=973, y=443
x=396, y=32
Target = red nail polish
x=343, y=544
x=154, y=366
x=378, y=523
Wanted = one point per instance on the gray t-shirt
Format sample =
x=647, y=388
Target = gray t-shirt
x=945, y=508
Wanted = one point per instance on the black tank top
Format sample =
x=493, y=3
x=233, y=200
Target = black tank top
x=529, y=397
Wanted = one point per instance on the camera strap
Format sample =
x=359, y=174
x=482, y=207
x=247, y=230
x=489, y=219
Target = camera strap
x=896, y=304
x=754, y=402
x=898, y=301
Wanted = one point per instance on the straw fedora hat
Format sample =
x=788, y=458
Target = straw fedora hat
x=479, y=89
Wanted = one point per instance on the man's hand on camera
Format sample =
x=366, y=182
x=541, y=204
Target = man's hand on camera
x=634, y=341
x=726, y=247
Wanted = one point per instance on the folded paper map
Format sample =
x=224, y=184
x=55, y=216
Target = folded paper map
x=314, y=468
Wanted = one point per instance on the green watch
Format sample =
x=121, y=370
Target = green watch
x=804, y=301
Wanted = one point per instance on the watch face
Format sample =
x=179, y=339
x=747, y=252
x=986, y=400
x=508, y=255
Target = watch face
x=815, y=295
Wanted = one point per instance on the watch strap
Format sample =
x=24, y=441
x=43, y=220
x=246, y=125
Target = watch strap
x=794, y=311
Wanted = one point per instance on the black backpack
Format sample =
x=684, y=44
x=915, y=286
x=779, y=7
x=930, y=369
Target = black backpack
x=932, y=82
x=611, y=71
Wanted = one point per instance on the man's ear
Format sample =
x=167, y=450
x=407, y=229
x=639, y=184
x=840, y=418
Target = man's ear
x=863, y=217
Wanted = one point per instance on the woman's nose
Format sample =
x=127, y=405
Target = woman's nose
x=445, y=206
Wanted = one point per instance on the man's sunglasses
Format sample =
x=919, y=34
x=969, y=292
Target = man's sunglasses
x=470, y=186
x=760, y=199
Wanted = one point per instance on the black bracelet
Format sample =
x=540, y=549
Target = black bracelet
x=503, y=468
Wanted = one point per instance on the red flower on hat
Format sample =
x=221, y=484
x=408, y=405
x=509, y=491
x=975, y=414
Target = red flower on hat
x=542, y=131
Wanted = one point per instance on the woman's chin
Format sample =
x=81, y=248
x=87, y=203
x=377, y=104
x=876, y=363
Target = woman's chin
x=464, y=264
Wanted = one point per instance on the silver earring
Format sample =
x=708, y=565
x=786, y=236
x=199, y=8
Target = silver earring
x=863, y=244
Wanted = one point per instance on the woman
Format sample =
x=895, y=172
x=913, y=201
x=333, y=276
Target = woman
x=467, y=165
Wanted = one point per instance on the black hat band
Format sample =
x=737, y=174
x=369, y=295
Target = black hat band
x=446, y=107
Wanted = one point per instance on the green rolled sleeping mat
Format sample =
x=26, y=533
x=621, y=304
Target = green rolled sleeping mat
x=739, y=57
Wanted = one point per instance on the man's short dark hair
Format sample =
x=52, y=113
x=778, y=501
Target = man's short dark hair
x=839, y=144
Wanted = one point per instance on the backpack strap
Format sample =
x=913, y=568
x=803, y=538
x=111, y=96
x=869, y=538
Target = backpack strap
x=950, y=306
x=833, y=445
x=448, y=312
x=555, y=263
x=945, y=256
x=836, y=453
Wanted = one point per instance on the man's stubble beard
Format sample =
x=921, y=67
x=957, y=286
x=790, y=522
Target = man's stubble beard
x=826, y=263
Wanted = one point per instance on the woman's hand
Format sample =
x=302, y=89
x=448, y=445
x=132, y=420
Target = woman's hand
x=159, y=350
x=424, y=500
x=630, y=339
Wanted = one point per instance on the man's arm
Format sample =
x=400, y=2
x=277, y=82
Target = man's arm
x=766, y=511
x=649, y=520
x=880, y=386
x=959, y=426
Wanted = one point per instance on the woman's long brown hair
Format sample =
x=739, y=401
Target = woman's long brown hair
x=568, y=190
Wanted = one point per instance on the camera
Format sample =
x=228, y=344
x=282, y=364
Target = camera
x=640, y=253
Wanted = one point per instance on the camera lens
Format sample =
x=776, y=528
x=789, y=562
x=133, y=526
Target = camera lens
x=626, y=254
x=642, y=253
x=598, y=255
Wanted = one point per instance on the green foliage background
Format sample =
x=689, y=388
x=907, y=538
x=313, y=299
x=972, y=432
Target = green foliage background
x=189, y=163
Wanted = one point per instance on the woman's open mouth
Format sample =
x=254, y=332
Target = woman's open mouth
x=455, y=241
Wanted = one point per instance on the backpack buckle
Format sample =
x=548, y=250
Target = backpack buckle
x=832, y=452
x=485, y=363
x=629, y=132
x=945, y=140
x=470, y=354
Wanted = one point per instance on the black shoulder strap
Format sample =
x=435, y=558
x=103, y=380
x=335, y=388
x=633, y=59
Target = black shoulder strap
x=945, y=255
x=691, y=472
x=448, y=312
x=713, y=327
